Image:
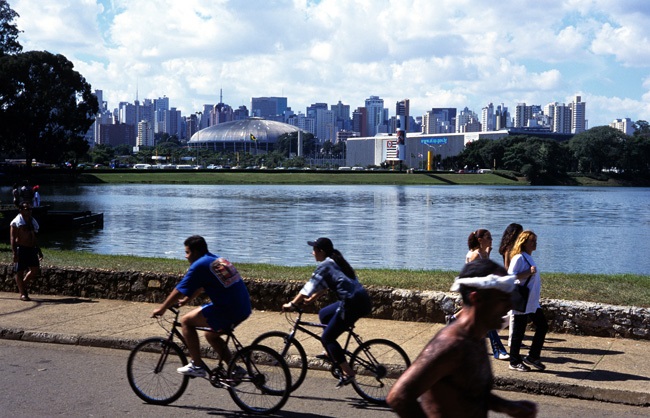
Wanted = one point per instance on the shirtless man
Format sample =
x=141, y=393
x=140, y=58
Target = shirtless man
x=452, y=376
x=27, y=254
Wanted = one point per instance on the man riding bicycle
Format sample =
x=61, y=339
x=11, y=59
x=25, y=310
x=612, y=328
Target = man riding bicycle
x=230, y=302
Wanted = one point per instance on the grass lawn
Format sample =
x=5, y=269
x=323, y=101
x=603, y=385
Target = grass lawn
x=279, y=177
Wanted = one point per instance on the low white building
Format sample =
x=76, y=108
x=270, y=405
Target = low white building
x=365, y=151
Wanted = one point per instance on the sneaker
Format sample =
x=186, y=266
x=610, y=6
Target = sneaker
x=535, y=363
x=25, y=298
x=323, y=356
x=238, y=373
x=344, y=381
x=191, y=370
x=519, y=367
x=502, y=356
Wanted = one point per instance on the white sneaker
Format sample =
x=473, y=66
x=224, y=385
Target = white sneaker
x=503, y=356
x=191, y=370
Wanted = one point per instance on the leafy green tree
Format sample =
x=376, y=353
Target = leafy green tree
x=8, y=30
x=598, y=148
x=641, y=128
x=45, y=106
x=288, y=143
x=102, y=154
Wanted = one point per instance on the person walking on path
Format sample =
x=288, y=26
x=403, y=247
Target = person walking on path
x=480, y=247
x=37, y=196
x=452, y=376
x=508, y=239
x=334, y=273
x=230, y=302
x=523, y=266
x=24, y=246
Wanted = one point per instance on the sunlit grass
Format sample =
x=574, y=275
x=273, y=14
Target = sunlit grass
x=618, y=289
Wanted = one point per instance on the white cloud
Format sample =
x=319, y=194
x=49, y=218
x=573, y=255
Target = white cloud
x=445, y=53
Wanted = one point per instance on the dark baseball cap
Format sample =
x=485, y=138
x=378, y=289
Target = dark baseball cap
x=323, y=243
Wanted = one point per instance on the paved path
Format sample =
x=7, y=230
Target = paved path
x=592, y=368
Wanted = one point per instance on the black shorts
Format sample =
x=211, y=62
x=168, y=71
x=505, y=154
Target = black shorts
x=27, y=257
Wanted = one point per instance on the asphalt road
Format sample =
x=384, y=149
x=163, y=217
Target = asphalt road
x=50, y=379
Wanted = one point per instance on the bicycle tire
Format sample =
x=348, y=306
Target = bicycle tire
x=151, y=371
x=266, y=384
x=378, y=364
x=294, y=354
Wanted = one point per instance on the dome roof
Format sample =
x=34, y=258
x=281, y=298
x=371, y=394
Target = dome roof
x=265, y=131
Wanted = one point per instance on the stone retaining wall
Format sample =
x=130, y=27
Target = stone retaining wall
x=580, y=318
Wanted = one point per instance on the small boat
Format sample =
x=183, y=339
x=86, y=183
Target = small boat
x=49, y=220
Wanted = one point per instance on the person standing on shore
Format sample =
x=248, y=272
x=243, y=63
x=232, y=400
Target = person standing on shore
x=479, y=243
x=523, y=266
x=24, y=245
x=452, y=376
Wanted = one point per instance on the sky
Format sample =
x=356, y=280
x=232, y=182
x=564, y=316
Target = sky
x=437, y=53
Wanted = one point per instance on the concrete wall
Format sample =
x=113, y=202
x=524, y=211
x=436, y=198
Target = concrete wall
x=580, y=318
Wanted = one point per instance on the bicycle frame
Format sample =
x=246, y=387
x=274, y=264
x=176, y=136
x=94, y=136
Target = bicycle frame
x=300, y=325
x=230, y=336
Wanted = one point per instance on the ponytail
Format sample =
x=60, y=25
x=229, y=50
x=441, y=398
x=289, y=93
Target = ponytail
x=343, y=264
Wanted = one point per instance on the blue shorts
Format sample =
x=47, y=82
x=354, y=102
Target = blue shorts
x=27, y=257
x=221, y=320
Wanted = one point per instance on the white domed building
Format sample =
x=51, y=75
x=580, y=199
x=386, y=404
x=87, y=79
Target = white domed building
x=248, y=135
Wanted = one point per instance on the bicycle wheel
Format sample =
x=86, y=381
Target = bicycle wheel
x=151, y=371
x=258, y=380
x=293, y=354
x=378, y=364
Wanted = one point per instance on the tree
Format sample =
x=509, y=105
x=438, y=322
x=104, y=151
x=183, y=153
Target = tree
x=8, y=30
x=46, y=107
x=288, y=143
x=598, y=148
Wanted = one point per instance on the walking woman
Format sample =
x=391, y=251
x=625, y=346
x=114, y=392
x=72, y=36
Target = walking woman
x=480, y=247
x=523, y=265
x=508, y=239
x=334, y=273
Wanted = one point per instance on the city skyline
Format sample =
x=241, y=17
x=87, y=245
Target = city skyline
x=436, y=54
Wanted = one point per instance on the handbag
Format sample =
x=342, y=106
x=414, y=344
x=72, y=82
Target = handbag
x=520, y=296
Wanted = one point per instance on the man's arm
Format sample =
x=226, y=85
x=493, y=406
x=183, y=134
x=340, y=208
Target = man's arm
x=14, y=245
x=432, y=364
x=516, y=409
x=171, y=300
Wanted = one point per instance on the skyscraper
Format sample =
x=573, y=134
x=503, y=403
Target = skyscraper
x=578, y=121
x=402, y=114
x=374, y=114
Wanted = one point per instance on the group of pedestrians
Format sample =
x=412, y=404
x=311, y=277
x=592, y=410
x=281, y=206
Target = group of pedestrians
x=452, y=376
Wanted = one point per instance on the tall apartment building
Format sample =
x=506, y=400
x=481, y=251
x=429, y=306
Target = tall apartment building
x=501, y=117
x=624, y=125
x=374, y=114
x=488, y=121
x=267, y=107
x=145, y=134
x=402, y=114
x=578, y=121
x=342, y=115
x=561, y=122
x=467, y=121
x=325, y=125
x=360, y=121
x=523, y=114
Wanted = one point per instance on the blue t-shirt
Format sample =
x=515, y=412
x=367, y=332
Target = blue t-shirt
x=221, y=282
x=328, y=275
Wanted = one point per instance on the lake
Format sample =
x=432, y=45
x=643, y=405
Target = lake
x=580, y=229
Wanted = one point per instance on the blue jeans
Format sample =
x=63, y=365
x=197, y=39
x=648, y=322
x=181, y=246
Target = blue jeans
x=338, y=319
x=497, y=345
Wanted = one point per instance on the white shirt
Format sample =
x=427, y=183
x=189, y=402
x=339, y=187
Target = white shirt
x=523, y=262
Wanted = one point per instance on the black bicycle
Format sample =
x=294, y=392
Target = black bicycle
x=257, y=378
x=378, y=363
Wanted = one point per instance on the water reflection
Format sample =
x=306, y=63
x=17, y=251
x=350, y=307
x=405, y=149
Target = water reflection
x=590, y=230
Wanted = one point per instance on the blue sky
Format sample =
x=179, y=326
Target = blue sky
x=442, y=53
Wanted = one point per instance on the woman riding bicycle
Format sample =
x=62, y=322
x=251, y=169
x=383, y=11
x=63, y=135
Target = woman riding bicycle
x=334, y=273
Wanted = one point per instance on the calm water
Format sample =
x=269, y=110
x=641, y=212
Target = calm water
x=589, y=230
